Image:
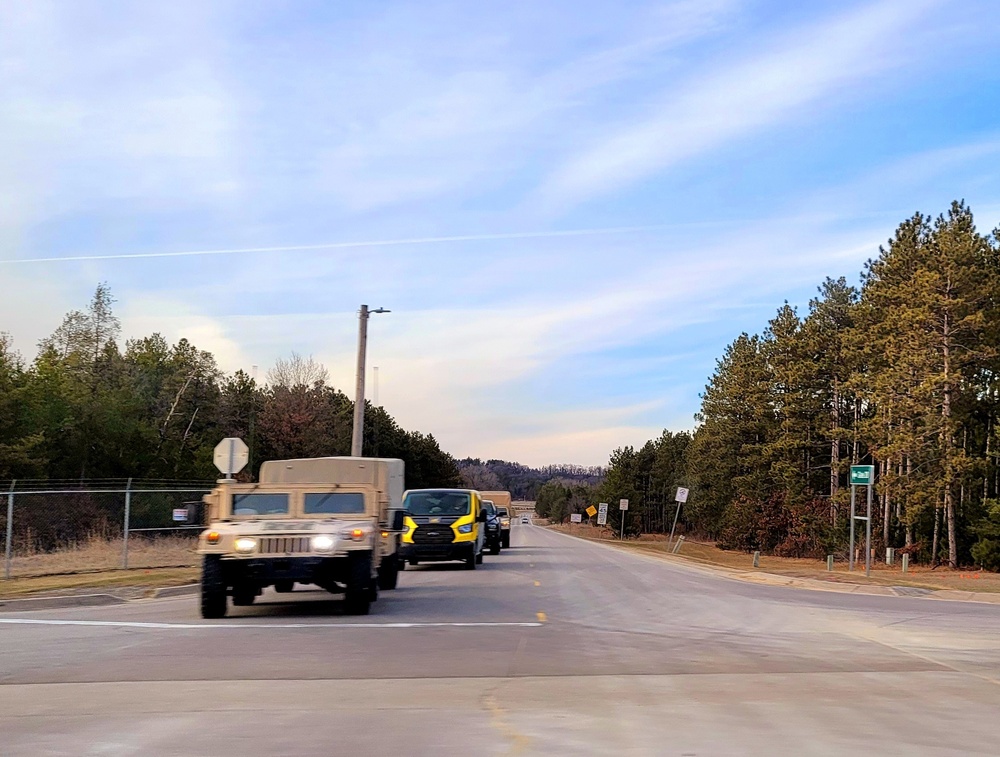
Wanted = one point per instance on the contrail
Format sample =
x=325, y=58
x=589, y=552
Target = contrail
x=348, y=245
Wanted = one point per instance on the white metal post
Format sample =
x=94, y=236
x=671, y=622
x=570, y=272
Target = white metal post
x=868, y=535
x=10, y=530
x=850, y=556
x=125, y=525
x=676, y=513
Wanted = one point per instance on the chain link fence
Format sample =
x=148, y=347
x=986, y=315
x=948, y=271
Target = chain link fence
x=53, y=528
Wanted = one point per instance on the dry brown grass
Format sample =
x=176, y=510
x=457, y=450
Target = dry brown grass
x=97, y=554
x=920, y=576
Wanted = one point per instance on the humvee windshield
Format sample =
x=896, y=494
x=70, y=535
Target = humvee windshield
x=334, y=503
x=260, y=503
x=437, y=503
x=503, y=511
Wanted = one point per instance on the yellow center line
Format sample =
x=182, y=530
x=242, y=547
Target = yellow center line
x=538, y=583
x=542, y=617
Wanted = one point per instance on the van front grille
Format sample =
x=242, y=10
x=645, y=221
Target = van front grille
x=433, y=534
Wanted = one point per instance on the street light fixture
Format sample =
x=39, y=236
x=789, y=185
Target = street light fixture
x=359, y=394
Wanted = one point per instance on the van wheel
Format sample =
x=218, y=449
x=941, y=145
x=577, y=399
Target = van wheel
x=213, y=588
x=388, y=574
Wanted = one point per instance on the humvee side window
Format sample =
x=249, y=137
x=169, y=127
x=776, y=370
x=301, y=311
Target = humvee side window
x=260, y=503
x=334, y=503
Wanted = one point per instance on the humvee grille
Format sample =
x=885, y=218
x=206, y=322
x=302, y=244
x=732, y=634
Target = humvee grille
x=283, y=545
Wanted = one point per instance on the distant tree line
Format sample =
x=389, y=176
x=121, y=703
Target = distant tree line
x=902, y=373
x=88, y=408
x=522, y=481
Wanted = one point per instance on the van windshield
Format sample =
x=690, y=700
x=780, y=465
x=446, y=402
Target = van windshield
x=437, y=503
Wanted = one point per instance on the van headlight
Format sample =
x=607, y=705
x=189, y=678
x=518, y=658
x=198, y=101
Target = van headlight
x=322, y=543
x=245, y=545
x=465, y=528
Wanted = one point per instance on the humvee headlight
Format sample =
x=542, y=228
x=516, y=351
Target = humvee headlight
x=245, y=545
x=465, y=529
x=322, y=543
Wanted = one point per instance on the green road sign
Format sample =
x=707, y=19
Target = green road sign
x=862, y=475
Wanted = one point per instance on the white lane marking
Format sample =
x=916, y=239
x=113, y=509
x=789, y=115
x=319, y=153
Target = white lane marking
x=186, y=626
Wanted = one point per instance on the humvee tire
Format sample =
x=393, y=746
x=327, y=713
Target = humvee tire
x=243, y=596
x=284, y=587
x=479, y=559
x=213, y=588
x=388, y=574
x=472, y=561
x=360, y=587
x=505, y=543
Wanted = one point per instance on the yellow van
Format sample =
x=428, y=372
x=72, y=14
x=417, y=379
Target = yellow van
x=443, y=524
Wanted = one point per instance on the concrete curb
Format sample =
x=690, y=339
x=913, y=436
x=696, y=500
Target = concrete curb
x=55, y=603
x=28, y=604
x=810, y=584
x=175, y=591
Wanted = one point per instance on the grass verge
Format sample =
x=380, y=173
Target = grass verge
x=918, y=576
x=150, y=578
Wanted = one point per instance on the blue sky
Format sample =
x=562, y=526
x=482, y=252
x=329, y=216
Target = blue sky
x=712, y=158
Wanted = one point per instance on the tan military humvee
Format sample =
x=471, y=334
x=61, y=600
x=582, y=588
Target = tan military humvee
x=329, y=521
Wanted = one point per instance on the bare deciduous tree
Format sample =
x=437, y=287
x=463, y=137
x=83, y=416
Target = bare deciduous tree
x=297, y=371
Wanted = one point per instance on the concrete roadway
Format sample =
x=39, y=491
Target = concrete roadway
x=557, y=646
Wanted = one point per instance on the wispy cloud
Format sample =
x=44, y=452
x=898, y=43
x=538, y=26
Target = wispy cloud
x=739, y=98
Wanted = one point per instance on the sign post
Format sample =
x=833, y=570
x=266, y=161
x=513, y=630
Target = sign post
x=862, y=475
x=602, y=514
x=623, y=506
x=681, y=498
x=231, y=456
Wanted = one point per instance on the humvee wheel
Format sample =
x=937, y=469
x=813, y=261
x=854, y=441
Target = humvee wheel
x=472, y=561
x=243, y=597
x=360, y=586
x=479, y=559
x=388, y=574
x=284, y=587
x=506, y=542
x=213, y=588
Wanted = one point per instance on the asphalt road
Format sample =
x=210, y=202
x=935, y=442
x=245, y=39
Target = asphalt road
x=557, y=646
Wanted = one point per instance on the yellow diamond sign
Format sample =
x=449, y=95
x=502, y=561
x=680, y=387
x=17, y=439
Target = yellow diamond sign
x=591, y=511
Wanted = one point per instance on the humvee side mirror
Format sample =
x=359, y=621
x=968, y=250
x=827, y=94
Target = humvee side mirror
x=397, y=520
